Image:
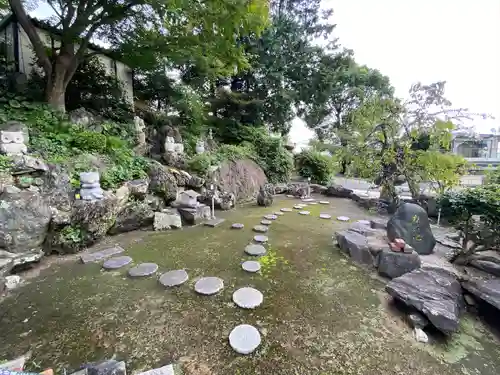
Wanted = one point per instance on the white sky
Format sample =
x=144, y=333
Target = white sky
x=426, y=40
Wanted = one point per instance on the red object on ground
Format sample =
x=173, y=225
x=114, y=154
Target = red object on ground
x=400, y=243
x=394, y=247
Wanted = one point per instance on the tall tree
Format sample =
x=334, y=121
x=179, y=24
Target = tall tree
x=79, y=21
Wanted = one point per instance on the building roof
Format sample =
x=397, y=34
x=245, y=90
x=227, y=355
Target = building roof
x=43, y=25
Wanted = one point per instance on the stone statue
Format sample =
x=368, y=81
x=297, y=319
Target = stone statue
x=210, y=135
x=179, y=148
x=200, y=147
x=90, y=187
x=169, y=144
x=12, y=143
x=139, y=128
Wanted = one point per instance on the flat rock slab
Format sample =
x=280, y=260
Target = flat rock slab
x=143, y=269
x=237, y=226
x=266, y=222
x=278, y=213
x=251, y=265
x=290, y=196
x=486, y=290
x=435, y=293
x=286, y=209
x=173, y=278
x=313, y=203
x=244, y=339
x=324, y=202
x=392, y=265
x=100, y=255
x=248, y=298
x=209, y=285
x=304, y=213
x=255, y=249
x=343, y=218
x=165, y=370
x=299, y=206
x=260, y=238
x=308, y=200
x=260, y=229
x=116, y=262
x=270, y=217
x=325, y=216
x=214, y=222
x=364, y=222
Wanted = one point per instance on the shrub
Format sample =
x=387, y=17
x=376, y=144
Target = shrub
x=200, y=164
x=475, y=212
x=314, y=165
x=5, y=163
x=273, y=158
x=88, y=141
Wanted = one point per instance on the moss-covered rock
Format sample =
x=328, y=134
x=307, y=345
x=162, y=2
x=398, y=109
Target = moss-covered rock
x=162, y=182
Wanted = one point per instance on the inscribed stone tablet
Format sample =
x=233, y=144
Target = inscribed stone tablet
x=143, y=269
x=244, y=339
x=254, y=249
x=260, y=229
x=260, y=238
x=251, y=265
x=209, y=285
x=248, y=298
x=173, y=278
x=342, y=218
x=116, y=262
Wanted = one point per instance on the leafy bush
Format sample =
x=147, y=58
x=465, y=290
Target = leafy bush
x=274, y=159
x=314, y=165
x=475, y=212
x=5, y=163
x=200, y=164
x=88, y=140
x=131, y=169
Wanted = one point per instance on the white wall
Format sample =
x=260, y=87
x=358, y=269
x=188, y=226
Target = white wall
x=27, y=57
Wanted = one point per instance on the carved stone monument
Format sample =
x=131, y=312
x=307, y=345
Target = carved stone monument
x=90, y=187
x=200, y=146
x=169, y=144
x=12, y=143
x=139, y=128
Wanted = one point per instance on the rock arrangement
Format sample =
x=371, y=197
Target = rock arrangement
x=426, y=283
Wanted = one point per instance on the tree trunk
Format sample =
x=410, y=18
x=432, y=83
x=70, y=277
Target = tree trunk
x=55, y=93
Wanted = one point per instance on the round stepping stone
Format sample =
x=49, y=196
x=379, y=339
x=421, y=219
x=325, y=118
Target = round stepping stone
x=308, y=200
x=270, y=217
x=266, y=222
x=324, y=202
x=237, y=226
x=325, y=216
x=290, y=196
x=260, y=229
x=248, y=298
x=244, y=339
x=173, y=278
x=286, y=209
x=209, y=285
x=313, y=203
x=304, y=212
x=364, y=222
x=254, y=249
x=251, y=265
x=116, y=262
x=298, y=206
x=342, y=218
x=260, y=238
x=143, y=269
x=278, y=213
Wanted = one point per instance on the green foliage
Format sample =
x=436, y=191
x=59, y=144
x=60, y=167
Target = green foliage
x=127, y=169
x=275, y=160
x=492, y=177
x=87, y=140
x=5, y=163
x=71, y=234
x=312, y=164
x=200, y=164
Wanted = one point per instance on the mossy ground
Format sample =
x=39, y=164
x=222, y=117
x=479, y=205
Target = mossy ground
x=321, y=313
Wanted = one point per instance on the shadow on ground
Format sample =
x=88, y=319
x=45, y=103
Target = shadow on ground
x=321, y=314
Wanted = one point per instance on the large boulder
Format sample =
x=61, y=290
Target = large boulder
x=337, y=191
x=394, y=264
x=434, y=292
x=485, y=290
x=411, y=223
x=487, y=261
x=192, y=216
x=162, y=182
x=135, y=215
x=24, y=221
x=356, y=245
x=265, y=197
x=243, y=178
x=89, y=223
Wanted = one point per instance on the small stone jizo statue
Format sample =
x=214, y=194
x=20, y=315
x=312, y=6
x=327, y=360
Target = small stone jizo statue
x=90, y=187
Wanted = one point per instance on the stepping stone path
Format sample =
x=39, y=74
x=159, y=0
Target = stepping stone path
x=278, y=213
x=116, y=262
x=173, y=278
x=251, y=265
x=308, y=200
x=260, y=229
x=248, y=298
x=325, y=216
x=299, y=206
x=255, y=249
x=324, y=202
x=286, y=209
x=266, y=222
x=304, y=212
x=100, y=255
x=260, y=238
x=365, y=222
x=143, y=269
x=342, y=218
x=237, y=226
x=244, y=339
x=270, y=217
x=313, y=203
x=209, y=285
